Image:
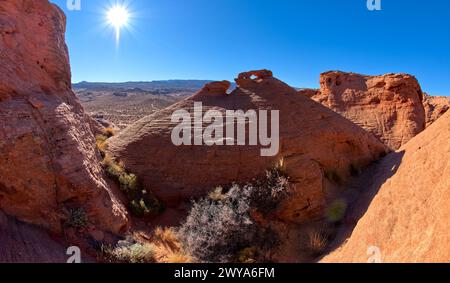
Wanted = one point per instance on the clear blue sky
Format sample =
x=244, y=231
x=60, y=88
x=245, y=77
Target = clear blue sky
x=297, y=39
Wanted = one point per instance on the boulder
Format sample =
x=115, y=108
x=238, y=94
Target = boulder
x=49, y=164
x=315, y=143
x=435, y=107
x=390, y=106
x=309, y=92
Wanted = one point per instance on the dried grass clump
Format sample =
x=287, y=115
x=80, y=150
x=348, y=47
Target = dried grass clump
x=131, y=253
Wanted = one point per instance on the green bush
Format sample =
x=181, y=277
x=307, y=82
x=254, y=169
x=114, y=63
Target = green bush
x=129, y=183
x=336, y=211
x=140, y=201
x=146, y=207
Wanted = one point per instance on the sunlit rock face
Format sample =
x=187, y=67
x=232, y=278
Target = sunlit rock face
x=390, y=106
x=403, y=216
x=435, y=107
x=315, y=142
x=48, y=160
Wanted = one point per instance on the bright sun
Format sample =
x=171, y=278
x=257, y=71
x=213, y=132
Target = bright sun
x=118, y=17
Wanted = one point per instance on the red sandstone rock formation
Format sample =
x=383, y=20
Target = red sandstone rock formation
x=48, y=160
x=405, y=210
x=435, y=107
x=315, y=142
x=214, y=89
x=309, y=92
x=389, y=106
x=20, y=242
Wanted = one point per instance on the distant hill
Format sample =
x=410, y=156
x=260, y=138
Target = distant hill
x=126, y=102
x=146, y=86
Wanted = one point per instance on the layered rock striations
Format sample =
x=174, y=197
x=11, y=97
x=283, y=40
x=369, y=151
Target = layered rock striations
x=315, y=143
x=390, y=106
x=49, y=165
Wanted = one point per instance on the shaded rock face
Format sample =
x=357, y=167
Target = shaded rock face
x=48, y=160
x=24, y=243
x=389, y=106
x=435, y=107
x=405, y=210
x=314, y=142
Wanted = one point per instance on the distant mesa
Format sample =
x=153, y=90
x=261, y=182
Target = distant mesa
x=120, y=94
x=146, y=86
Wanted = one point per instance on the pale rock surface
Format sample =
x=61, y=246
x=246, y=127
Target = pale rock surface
x=405, y=210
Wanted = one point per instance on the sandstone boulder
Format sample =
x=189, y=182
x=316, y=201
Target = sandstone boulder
x=435, y=107
x=403, y=216
x=389, y=106
x=48, y=160
x=315, y=143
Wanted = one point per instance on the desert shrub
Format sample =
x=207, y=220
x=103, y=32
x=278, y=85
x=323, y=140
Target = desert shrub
x=168, y=238
x=336, y=211
x=129, y=183
x=216, y=230
x=77, y=218
x=131, y=253
x=317, y=242
x=217, y=194
x=247, y=255
x=100, y=141
x=139, y=207
x=112, y=168
x=110, y=132
x=140, y=201
x=219, y=226
x=268, y=192
x=166, y=235
x=145, y=207
x=178, y=258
